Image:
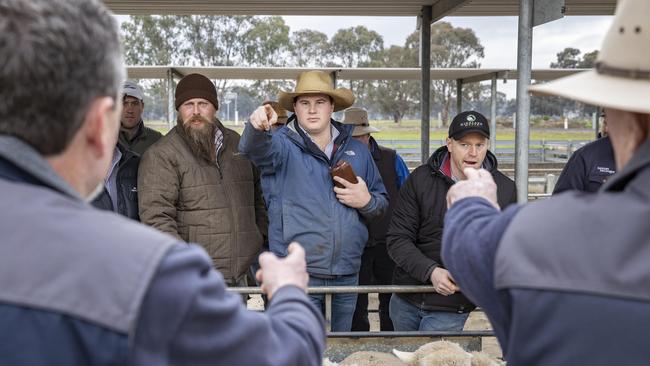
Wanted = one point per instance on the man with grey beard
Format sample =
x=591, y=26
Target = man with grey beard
x=194, y=185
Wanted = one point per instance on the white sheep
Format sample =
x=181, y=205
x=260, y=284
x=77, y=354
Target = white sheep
x=444, y=353
x=367, y=358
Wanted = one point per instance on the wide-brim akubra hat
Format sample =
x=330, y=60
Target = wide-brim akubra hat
x=621, y=78
x=316, y=82
x=358, y=117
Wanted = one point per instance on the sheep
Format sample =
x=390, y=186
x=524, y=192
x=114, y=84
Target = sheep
x=366, y=358
x=444, y=353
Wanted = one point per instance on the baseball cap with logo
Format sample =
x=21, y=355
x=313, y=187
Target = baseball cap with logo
x=132, y=89
x=467, y=122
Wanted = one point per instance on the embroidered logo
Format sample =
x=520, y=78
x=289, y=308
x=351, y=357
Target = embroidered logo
x=350, y=153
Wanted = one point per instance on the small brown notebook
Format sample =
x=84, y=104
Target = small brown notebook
x=344, y=170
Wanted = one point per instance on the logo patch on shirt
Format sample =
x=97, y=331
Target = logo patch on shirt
x=605, y=169
x=350, y=153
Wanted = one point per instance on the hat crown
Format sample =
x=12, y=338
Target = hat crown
x=314, y=81
x=356, y=116
x=627, y=42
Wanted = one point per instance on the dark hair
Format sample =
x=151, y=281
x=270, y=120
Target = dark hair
x=56, y=58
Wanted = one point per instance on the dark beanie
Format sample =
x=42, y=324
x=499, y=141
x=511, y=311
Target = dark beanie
x=196, y=86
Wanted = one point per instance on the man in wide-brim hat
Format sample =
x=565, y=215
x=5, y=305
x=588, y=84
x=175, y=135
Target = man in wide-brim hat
x=565, y=281
x=303, y=204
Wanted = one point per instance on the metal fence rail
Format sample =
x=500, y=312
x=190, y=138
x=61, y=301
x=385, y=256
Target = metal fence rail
x=539, y=150
x=342, y=344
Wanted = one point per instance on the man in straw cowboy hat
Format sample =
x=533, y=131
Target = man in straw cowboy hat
x=303, y=203
x=376, y=266
x=565, y=281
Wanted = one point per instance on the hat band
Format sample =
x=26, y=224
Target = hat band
x=635, y=74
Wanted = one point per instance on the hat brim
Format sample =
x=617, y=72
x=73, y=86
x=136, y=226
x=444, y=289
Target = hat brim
x=600, y=90
x=362, y=130
x=464, y=133
x=343, y=98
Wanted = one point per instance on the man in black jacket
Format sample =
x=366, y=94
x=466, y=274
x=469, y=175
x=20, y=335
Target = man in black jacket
x=120, y=192
x=415, y=232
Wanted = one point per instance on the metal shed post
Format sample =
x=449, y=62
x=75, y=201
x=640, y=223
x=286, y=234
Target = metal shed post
x=425, y=66
x=522, y=134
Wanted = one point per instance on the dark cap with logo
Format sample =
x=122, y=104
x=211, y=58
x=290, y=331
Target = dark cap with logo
x=468, y=122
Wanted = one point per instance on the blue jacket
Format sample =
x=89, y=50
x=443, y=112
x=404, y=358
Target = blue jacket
x=301, y=202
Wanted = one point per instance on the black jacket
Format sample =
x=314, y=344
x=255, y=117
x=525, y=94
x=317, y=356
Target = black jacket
x=127, y=186
x=588, y=168
x=415, y=233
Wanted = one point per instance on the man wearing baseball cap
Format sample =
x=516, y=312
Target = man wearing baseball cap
x=415, y=233
x=195, y=186
x=564, y=281
x=134, y=135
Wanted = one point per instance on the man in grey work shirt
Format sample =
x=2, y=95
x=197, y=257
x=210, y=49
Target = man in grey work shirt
x=80, y=286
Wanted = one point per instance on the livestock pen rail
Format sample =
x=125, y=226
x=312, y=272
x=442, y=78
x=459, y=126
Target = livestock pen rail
x=342, y=344
x=540, y=151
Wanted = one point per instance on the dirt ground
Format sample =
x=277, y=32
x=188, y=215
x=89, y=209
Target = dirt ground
x=477, y=321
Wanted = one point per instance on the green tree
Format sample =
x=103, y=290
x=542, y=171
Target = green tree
x=309, y=48
x=355, y=47
x=267, y=42
x=152, y=40
x=395, y=98
x=450, y=47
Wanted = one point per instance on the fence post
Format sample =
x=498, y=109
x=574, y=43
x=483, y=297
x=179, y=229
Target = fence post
x=328, y=312
x=551, y=180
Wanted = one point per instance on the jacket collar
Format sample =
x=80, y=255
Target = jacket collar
x=30, y=161
x=298, y=136
x=639, y=161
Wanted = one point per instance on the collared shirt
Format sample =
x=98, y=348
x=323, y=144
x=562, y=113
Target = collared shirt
x=111, y=178
x=329, y=149
x=218, y=141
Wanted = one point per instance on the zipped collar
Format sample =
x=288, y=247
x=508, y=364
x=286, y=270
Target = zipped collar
x=300, y=138
x=31, y=163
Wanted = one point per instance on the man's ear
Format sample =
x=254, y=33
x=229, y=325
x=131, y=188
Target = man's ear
x=101, y=126
x=448, y=142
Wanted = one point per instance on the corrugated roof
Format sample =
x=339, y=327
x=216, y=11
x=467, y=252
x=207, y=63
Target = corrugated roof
x=347, y=7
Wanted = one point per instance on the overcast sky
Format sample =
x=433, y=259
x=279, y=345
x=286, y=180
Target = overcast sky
x=497, y=34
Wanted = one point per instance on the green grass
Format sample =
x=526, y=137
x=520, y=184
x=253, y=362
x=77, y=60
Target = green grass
x=410, y=130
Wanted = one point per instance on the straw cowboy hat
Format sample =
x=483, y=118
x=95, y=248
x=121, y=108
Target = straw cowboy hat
x=621, y=78
x=359, y=118
x=317, y=82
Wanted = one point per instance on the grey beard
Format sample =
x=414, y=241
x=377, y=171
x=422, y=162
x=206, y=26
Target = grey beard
x=95, y=193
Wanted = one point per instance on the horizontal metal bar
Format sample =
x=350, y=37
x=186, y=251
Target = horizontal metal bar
x=347, y=289
x=415, y=334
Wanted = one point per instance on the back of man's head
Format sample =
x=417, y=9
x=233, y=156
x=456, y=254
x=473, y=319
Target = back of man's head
x=56, y=57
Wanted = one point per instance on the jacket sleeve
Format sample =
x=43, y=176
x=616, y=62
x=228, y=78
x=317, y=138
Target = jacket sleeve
x=473, y=230
x=189, y=318
x=402, y=235
x=158, y=186
x=261, y=215
x=378, y=205
x=573, y=176
x=266, y=152
x=401, y=170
